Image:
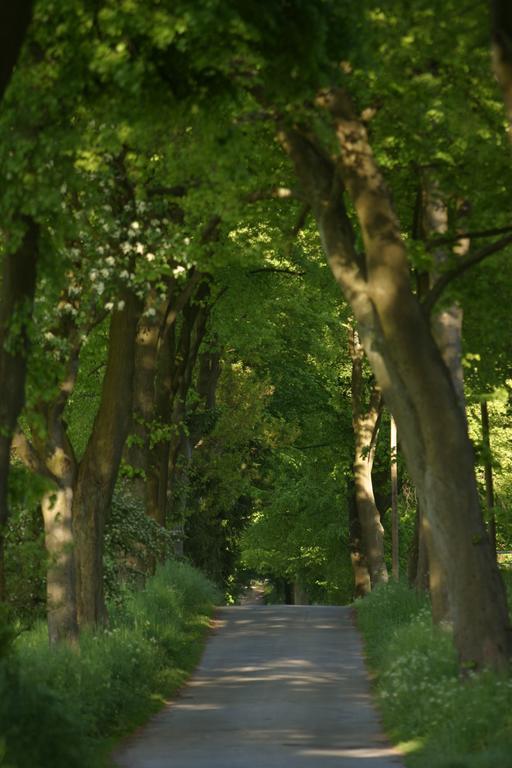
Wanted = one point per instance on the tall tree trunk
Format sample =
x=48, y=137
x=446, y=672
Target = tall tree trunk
x=14, y=21
x=501, y=11
x=17, y=289
x=146, y=352
x=99, y=466
x=362, y=581
x=57, y=509
x=447, y=332
x=51, y=455
x=395, y=523
x=409, y=369
x=365, y=422
x=177, y=359
x=489, y=480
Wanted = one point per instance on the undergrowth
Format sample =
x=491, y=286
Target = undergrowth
x=440, y=720
x=62, y=708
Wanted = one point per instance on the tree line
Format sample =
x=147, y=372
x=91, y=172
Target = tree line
x=177, y=182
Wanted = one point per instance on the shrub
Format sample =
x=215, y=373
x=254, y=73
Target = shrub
x=452, y=723
x=58, y=705
x=133, y=543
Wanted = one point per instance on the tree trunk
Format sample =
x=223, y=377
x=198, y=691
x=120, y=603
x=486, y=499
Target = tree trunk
x=173, y=359
x=501, y=11
x=14, y=21
x=61, y=575
x=146, y=349
x=489, y=480
x=446, y=328
x=365, y=422
x=362, y=581
x=99, y=466
x=51, y=455
x=409, y=369
x=418, y=557
x=422, y=572
x=17, y=289
x=395, y=523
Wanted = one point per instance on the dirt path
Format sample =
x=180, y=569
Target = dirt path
x=278, y=687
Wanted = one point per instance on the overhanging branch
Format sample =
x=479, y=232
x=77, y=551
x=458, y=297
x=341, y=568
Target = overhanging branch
x=448, y=277
x=449, y=239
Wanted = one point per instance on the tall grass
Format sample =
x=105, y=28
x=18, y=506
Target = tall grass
x=442, y=721
x=59, y=707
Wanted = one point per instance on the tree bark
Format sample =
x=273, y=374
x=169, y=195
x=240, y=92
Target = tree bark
x=365, y=422
x=57, y=508
x=99, y=466
x=362, y=581
x=395, y=523
x=409, y=369
x=14, y=21
x=146, y=355
x=17, y=289
x=51, y=455
x=489, y=480
x=501, y=12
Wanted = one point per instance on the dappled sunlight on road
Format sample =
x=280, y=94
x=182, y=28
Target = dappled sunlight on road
x=278, y=687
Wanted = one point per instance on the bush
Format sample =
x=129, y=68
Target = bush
x=59, y=706
x=133, y=543
x=448, y=722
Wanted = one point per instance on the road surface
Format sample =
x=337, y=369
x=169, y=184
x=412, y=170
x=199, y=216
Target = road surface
x=278, y=687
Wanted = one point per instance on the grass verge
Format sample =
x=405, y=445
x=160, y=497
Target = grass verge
x=61, y=708
x=439, y=720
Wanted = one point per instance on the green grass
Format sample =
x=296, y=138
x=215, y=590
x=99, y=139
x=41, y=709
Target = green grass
x=61, y=708
x=442, y=721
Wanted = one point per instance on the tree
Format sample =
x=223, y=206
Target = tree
x=409, y=370
x=365, y=420
x=14, y=21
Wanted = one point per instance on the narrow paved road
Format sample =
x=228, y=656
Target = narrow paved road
x=278, y=687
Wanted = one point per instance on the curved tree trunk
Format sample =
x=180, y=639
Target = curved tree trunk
x=409, y=369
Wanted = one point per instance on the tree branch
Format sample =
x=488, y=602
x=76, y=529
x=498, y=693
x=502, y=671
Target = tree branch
x=449, y=239
x=278, y=270
x=27, y=454
x=475, y=258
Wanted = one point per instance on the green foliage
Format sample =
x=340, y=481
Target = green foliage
x=25, y=555
x=57, y=706
x=133, y=543
x=441, y=719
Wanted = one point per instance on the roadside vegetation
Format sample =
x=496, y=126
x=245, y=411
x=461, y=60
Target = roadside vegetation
x=63, y=707
x=436, y=716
